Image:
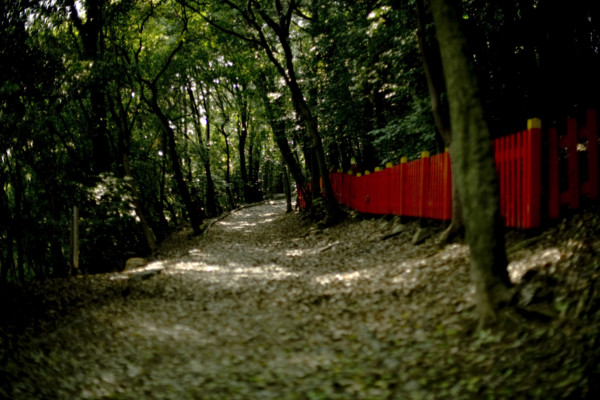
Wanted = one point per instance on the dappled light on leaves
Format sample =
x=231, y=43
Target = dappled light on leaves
x=345, y=279
x=232, y=272
x=540, y=258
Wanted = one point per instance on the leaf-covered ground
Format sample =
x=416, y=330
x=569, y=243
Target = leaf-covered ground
x=266, y=306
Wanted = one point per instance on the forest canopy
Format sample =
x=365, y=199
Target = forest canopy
x=147, y=115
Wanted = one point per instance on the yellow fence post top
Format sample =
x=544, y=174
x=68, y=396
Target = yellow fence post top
x=367, y=172
x=350, y=172
x=424, y=154
x=389, y=165
x=534, y=123
x=403, y=160
x=377, y=169
x=446, y=149
x=358, y=174
x=339, y=171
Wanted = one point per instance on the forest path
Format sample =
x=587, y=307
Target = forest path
x=266, y=306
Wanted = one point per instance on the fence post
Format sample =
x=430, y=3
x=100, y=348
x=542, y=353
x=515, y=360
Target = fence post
x=425, y=167
x=389, y=187
x=534, y=178
x=349, y=189
x=553, y=175
x=521, y=188
x=403, y=192
x=359, y=192
x=379, y=191
x=368, y=192
x=447, y=215
x=511, y=182
x=74, y=270
x=497, y=147
x=573, y=163
x=590, y=132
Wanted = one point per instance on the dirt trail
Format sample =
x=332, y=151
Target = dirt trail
x=268, y=307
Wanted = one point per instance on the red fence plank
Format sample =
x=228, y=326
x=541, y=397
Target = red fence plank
x=423, y=180
x=573, y=162
x=553, y=174
x=590, y=133
x=533, y=157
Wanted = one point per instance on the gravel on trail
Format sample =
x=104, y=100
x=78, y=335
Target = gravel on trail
x=267, y=306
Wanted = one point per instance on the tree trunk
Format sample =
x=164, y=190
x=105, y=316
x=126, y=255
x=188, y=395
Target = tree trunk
x=124, y=126
x=6, y=224
x=92, y=41
x=473, y=163
x=99, y=131
x=162, y=225
x=281, y=29
x=314, y=173
x=137, y=203
x=211, y=195
x=288, y=156
x=334, y=212
x=242, y=137
x=221, y=128
x=252, y=177
x=228, y=169
x=287, y=189
x=432, y=66
x=278, y=126
x=182, y=188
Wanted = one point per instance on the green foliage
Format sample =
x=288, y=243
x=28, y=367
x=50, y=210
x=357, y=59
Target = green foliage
x=369, y=82
x=109, y=234
x=76, y=98
x=407, y=136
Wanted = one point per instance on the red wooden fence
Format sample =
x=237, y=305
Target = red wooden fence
x=518, y=164
x=580, y=177
x=423, y=188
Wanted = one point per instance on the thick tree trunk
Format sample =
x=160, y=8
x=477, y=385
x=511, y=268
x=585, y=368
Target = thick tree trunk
x=473, y=163
x=432, y=66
